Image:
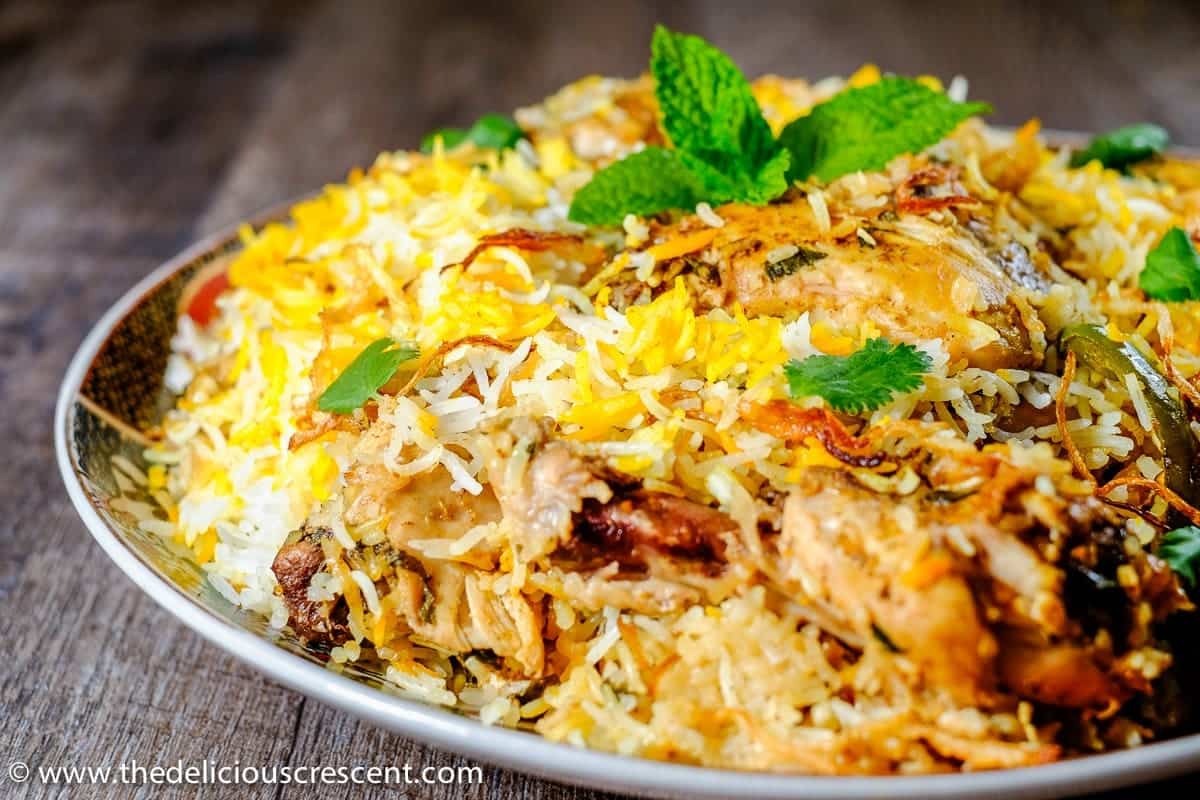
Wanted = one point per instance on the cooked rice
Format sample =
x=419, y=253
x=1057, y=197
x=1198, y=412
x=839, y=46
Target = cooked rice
x=751, y=682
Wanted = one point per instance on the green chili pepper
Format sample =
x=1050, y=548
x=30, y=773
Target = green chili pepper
x=1097, y=352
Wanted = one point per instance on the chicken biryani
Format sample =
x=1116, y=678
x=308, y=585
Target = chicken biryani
x=772, y=425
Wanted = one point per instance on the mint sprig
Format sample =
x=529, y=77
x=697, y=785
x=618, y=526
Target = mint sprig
x=711, y=117
x=723, y=147
x=861, y=381
x=369, y=370
x=863, y=129
x=1172, y=271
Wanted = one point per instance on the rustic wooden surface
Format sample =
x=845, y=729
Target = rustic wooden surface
x=127, y=129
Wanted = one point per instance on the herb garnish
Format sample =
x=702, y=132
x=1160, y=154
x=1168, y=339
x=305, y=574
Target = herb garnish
x=713, y=121
x=865, y=128
x=723, y=149
x=644, y=183
x=803, y=257
x=369, y=370
x=1124, y=147
x=1180, y=548
x=495, y=131
x=1172, y=271
x=861, y=381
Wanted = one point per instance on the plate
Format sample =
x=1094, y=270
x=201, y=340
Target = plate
x=114, y=386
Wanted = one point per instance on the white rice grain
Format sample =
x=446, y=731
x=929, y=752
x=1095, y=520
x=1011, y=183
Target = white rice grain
x=612, y=634
x=1140, y=406
x=367, y=586
x=777, y=254
x=816, y=201
x=709, y=217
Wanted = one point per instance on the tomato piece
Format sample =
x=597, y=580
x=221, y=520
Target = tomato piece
x=202, y=305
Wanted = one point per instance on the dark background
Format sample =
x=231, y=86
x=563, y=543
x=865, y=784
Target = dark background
x=128, y=129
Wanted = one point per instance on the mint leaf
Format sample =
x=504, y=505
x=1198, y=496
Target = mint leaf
x=731, y=183
x=708, y=110
x=369, y=370
x=646, y=182
x=861, y=381
x=495, y=131
x=451, y=138
x=1124, y=147
x=1172, y=271
x=1180, y=548
x=865, y=128
x=724, y=149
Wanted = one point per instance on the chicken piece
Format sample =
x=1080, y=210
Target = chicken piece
x=846, y=548
x=582, y=515
x=642, y=595
x=980, y=504
x=1060, y=675
x=554, y=496
x=369, y=489
x=422, y=506
x=446, y=604
x=638, y=524
x=658, y=539
x=294, y=566
x=427, y=508
x=921, y=280
x=454, y=608
x=541, y=484
x=955, y=575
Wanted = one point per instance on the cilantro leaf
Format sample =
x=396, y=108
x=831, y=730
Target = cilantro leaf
x=369, y=370
x=646, y=182
x=1172, y=271
x=709, y=112
x=865, y=128
x=496, y=131
x=861, y=381
x=1124, y=147
x=1180, y=548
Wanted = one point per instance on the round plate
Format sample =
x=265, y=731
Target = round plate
x=114, y=387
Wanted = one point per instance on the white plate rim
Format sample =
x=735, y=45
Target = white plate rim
x=529, y=753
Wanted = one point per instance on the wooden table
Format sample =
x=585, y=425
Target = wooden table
x=128, y=129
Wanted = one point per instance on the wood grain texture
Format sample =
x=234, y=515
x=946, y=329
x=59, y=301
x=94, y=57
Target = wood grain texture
x=129, y=128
